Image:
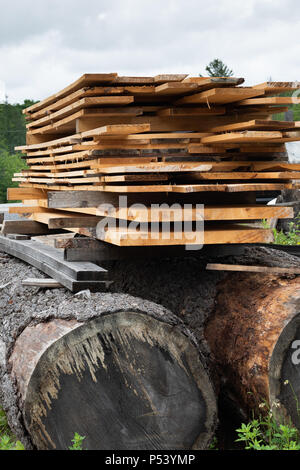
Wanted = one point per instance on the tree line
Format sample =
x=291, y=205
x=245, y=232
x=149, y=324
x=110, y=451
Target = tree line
x=12, y=134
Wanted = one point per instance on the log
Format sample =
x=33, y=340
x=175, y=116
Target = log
x=247, y=321
x=252, y=335
x=127, y=374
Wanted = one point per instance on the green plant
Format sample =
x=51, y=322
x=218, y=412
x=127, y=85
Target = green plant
x=7, y=443
x=77, y=442
x=7, y=439
x=266, y=432
x=292, y=237
x=214, y=444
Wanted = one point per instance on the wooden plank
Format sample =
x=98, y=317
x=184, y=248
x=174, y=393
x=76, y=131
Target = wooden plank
x=175, y=88
x=54, y=258
x=88, y=79
x=270, y=101
x=220, y=96
x=239, y=234
x=16, y=194
x=241, y=137
x=206, y=83
x=251, y=269
x=151, y=167
x=42, y=283
x=275, y=88
x=23, y=227
x=178, y=188
x=29, y=254
x=72, y=97
x=55, y=221
x=199, y=111
x=258, y=124
x=158, y=214
x=122, y=129
x=91, y=102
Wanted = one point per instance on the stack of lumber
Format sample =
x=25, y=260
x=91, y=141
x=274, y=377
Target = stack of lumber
x=163, y=139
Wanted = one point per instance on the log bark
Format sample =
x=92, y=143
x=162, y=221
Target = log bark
x=241, y=319
x=127, y=376
x=251, y=335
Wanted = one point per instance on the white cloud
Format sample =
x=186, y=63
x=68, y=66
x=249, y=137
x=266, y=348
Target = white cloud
x=45, y=45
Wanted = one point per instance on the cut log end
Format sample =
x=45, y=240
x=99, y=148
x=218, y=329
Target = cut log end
x=124, y=380
x=254, y=334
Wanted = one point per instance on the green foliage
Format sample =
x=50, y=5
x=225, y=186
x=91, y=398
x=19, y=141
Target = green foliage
x=214, y=444
x=217, y=68
x=77, y=442
x=7, y=439
x=294, y=107
x=12, y=125
x=6, y=443
x=12, y=134
x=9, y=164
x=266, y=433
x=292, y=237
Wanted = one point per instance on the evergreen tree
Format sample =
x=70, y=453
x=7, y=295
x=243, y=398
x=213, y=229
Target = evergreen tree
x=217, y=68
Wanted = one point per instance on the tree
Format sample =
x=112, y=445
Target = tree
x=217, y=68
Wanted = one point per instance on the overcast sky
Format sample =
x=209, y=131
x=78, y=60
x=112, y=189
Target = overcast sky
x=47, y=44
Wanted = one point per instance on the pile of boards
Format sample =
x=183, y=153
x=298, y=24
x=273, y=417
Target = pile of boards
x=167, y=139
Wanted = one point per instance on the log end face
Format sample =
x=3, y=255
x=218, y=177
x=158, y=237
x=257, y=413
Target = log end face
x=125, y=381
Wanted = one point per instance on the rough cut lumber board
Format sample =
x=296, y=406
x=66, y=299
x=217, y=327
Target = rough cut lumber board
x=251, y=269
x=228, y=234
x=274, y=88
x=242, y=137
x=220, y=96
x=17, y=249
x=42, y=283
x=16, y=194
x=175, y=88
x=222, y=212
x=270, y=101
x=179, y=188
x=192, y=111
x=258, y=124
x=117, y=130
x=23, y=227
x=92, y=199
x=206, y=83
x=80, y=271
x=83, y=92
x=57, y=221
x=91, y=102
x=152, y=167
x=88, y=79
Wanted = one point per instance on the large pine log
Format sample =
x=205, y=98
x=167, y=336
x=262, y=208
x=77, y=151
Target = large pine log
x=248, y=320
x=124, y=372
x=252, y=334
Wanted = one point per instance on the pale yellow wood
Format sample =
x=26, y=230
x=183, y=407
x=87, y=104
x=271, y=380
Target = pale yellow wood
x=245, y=136
x=220, y=96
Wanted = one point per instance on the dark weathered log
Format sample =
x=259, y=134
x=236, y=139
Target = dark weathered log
x=251, y=334
x=127, y=376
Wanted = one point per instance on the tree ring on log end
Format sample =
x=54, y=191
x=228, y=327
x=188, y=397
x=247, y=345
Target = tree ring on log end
x=123, y=380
